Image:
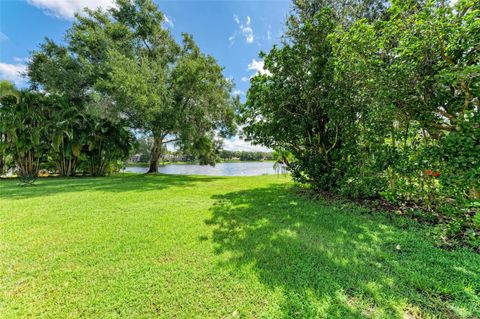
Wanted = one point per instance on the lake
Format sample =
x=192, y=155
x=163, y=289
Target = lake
x=220, y=169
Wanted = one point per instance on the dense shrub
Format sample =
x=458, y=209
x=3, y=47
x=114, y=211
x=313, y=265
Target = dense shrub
x=380, y=108
x=39, y=130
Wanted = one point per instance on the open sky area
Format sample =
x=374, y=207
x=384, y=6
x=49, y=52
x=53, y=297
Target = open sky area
x=233, y=31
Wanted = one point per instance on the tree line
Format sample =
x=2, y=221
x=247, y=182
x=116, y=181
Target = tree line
x=119, y=72
x=378, y=100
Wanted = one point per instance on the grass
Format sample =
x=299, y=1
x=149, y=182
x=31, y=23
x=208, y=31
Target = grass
x=137, y=246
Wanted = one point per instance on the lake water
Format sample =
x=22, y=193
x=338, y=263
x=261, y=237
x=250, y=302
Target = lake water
x=220, y=169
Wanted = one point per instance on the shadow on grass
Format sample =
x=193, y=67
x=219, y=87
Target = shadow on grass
x=47, y=186
x=335, y=262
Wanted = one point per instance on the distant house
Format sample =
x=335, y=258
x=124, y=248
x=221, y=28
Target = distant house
x=173, y=158
x=136, y=158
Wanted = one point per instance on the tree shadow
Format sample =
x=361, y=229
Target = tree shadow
x=335, y=262
x=48, y=186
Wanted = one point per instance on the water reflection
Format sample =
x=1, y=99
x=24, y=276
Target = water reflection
x=220, y=169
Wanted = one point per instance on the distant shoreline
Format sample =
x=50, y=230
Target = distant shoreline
x=146, y=164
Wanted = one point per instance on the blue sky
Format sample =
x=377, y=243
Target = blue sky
x=233, y=31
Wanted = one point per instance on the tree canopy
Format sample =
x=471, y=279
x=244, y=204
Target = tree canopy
x=123, y=64
x=376, y=100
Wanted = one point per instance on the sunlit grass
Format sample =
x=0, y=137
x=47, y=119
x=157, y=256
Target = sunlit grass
x=210, y=247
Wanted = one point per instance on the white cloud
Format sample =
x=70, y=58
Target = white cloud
x=238, y=144
x=169, y=21
x=258, y=67
x=245, y=30
x=235, y=18
x=12, y=72
x=21, y=60
x=238, y=92
x=66, y=9
x=3, y=37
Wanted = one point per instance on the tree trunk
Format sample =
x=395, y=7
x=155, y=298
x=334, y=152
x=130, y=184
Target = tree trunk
x=156, y=153
x=2, y=165
x=2, y=161
x=28, y=165
x=98, y=164
x=67, y=166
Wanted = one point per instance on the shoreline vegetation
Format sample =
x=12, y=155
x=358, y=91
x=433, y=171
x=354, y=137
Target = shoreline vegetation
x=146, y=164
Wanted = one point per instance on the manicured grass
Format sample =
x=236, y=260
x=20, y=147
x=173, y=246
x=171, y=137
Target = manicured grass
x=137, y=246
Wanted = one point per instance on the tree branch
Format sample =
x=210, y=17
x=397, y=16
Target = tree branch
x=172, y=140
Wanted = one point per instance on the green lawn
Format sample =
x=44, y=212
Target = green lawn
x=137, y=246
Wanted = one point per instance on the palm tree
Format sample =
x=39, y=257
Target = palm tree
x=6, y=89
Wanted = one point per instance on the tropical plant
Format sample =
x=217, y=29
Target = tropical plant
x=68, y=133
x=107, y=144
x=24, y=125
x=7, y=89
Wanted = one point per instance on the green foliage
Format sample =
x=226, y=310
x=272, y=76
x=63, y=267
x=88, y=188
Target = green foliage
x=68, y=135
x=245, y=155
x=384, y=107
x=7, y=89
x=293, y=106
x=174, y=92
x=37, y=129
x=107, y=144
x=121, y=67
x=53, y=69
x=24, y=127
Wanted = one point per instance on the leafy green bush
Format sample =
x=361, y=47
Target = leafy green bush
x=379, y=107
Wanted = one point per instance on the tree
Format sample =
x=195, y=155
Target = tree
x=7, y=89
x=417, y=72
x=178, y=94
x=68, y=134
x=295, y=105
x=53, y=69
x=379, y=107
x=84, y=123
x=106, y=144
x=345, y=12
x=24, y=125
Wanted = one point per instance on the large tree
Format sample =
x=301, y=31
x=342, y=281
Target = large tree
x=176, y=93
x=295, y=106
x=83, y=126
x=54, y=70
x=385, y=107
